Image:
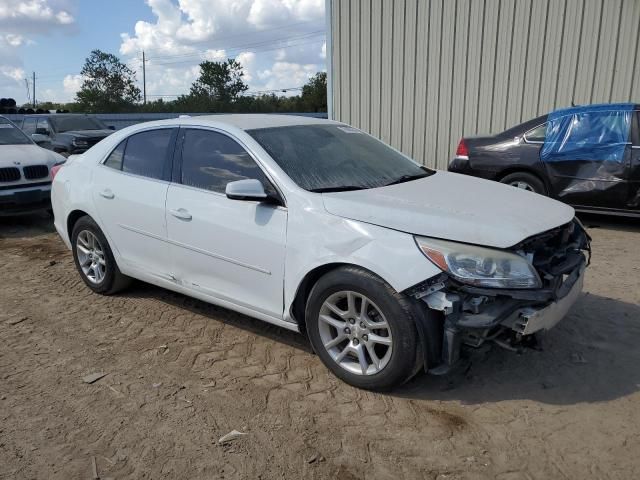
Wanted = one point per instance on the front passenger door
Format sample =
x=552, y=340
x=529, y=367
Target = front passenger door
x=228, y=249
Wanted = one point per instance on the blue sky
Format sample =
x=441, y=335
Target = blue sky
x=279, y=42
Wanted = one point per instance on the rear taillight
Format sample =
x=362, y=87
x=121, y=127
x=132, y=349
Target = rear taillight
x=462, y=150
x=55, y=168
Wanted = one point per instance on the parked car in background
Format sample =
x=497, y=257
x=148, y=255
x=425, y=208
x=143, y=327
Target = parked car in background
x=317, y=227
x=592, y=161
x=25, y=172
x=66, y=134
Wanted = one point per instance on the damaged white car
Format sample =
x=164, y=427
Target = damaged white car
x=317, y=227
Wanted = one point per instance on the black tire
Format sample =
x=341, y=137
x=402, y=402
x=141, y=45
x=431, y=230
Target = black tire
x=534, y=183
x=113, y=280
x=400, y=312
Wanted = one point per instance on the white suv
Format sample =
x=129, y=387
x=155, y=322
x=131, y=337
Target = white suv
x=317, y=227
x=25, y=172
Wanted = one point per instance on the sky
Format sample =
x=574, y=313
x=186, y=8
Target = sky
x=280, y=43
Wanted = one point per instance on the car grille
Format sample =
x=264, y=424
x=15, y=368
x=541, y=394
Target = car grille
x=9, y=174
x=33, y=172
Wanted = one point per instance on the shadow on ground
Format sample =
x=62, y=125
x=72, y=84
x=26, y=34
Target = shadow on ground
x=24, y=226
x=591, y=356
x=219, y=314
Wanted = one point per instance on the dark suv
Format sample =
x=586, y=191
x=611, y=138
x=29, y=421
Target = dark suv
x=65, y=133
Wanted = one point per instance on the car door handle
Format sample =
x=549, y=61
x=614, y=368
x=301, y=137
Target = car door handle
x=107, y=194
x=181, y=213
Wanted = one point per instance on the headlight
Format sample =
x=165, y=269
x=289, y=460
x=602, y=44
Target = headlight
x=482, y=267
x=80, y=143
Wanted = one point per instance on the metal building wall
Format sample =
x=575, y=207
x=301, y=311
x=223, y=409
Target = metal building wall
x=419, y=74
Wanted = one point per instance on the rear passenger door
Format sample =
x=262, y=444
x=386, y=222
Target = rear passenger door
x=130, y=190
x=228, y=249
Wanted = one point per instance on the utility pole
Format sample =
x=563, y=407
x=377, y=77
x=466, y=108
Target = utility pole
x=144, y=79
x=34, y=90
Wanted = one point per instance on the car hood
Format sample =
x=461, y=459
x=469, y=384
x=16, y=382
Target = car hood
x=88, y=133
x=453, y=207
x=26, y=155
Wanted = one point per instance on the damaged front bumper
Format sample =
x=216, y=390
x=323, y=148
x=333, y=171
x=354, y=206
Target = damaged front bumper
x=473, y=315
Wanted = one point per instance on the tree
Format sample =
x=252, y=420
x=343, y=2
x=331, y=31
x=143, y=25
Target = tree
x=314, y=93
x=219, y=81
x=108, y=85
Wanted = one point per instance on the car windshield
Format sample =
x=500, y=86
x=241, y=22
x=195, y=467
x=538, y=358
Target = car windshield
x=11, y=135
x=325, y=158
x=66, y=124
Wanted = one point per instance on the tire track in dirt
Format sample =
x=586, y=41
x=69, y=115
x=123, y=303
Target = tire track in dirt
x=182, y=373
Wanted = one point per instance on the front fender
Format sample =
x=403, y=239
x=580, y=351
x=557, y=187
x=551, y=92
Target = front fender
x=323, y=239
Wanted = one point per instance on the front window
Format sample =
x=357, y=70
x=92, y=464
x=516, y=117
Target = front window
x=11, y=135
x=210, y=160
x=66, y=124
x=321, y=158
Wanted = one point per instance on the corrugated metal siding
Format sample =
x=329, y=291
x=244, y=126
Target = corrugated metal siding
x=420, y=74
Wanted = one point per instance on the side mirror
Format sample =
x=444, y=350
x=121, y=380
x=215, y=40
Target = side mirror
x=42, y=131
x=40, y=140
x=249, y=189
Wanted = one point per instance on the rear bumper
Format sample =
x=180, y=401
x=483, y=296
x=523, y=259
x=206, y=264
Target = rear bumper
x=25, y=200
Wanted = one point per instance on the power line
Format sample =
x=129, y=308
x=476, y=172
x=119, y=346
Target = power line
x=202, y=42
x=242, y=50
x=244, y=46
x=254, y=48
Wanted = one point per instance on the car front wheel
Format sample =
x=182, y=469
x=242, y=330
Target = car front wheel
x=362, y=329
x=94, y=259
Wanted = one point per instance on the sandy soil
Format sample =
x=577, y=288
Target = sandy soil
x=181, y=374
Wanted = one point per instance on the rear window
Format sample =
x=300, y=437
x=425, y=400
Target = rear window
x=536, y=134
x=143, y=154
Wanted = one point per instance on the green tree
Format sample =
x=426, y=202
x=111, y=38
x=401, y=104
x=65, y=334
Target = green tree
x=314, y=93
x=219, y=81
x=108, y=85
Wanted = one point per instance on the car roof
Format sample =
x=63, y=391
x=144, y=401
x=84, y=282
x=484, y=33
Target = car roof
x=246, y=121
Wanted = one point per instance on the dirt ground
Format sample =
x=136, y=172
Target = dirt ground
x=182, y=373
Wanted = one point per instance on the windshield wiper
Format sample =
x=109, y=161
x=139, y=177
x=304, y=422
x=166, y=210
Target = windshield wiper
x=408, y=178
x=343, y=188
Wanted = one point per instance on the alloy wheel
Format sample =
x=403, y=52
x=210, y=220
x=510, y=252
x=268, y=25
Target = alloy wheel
x=91, y=257
x=355, y=333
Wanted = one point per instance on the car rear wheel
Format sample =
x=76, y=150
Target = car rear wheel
x=525, y=181
x=362, y=329
x=94, y=259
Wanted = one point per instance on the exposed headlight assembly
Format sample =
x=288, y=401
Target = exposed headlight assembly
x=80, y=143
x=479, y=266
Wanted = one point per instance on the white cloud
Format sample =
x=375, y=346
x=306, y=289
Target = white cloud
x=33, y=15
x=215, y=55
x=19, y=21
x=278, y=42
x=14, y=73
x=72, y=83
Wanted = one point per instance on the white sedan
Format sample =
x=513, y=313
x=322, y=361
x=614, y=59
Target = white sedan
x=315, y=226
x=25, y=172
